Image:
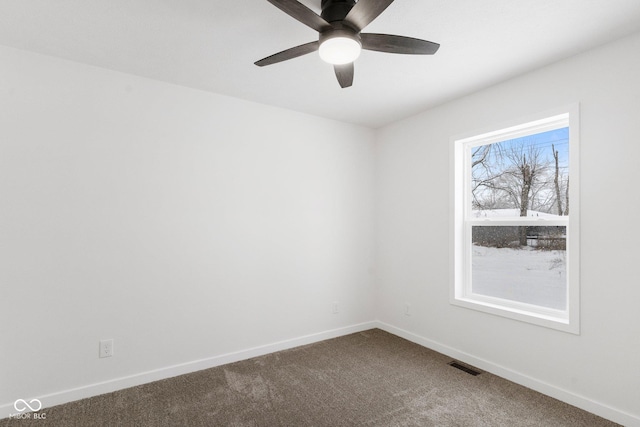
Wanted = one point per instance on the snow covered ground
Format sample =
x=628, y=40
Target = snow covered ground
x=525, y=275
x=509, y=213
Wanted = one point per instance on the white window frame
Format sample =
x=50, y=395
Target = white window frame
x=461, y=222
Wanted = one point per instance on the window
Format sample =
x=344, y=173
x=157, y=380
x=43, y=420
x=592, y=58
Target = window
x=515, y=221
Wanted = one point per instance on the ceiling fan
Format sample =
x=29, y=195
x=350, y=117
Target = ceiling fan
x=341, y=40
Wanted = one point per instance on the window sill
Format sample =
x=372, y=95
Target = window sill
x=549, y=318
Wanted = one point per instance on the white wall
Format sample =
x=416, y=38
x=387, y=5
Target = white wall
x=182, y=224
x=597, y=369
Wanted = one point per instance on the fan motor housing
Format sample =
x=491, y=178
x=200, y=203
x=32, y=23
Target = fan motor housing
x=336, y=10
x=340, y=30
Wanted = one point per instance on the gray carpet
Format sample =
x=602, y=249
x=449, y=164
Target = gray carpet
x=370, y=378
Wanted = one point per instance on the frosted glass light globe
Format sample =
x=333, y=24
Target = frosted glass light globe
x=339, y=50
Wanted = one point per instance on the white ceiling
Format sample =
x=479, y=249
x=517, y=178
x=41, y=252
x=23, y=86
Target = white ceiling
x=212, y=44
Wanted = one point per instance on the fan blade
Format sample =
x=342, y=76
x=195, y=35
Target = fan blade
x=302, y=13
x=294, y=52
x=365, y=11
x=344, y=73
x=397, y=44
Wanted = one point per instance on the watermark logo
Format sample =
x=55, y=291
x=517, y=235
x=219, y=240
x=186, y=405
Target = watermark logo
x=21, y=405
x=34, y=405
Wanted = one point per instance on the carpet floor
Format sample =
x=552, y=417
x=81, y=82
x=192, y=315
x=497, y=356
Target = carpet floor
x=370, y=378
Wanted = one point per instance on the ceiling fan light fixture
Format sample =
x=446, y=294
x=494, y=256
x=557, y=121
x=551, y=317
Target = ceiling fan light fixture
x=341, y=40
x=340, y=50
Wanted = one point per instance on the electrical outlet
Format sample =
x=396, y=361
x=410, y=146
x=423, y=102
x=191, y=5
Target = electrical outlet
x=407, y=309
x=106, y=348
x=334, y=307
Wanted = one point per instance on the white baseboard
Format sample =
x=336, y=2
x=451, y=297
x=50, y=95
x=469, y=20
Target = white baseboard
x=581, y=402
x=90, y=390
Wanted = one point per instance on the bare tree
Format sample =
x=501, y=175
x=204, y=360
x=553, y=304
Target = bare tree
x=521, y=174
x=487, y=170
x=556, y=182
x=482, y=173
x=513, y=175
x=566, y=209
x=527, y=169
x=480, y=155
x=525, y=173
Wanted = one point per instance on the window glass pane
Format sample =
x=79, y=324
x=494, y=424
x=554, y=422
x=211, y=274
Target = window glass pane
x=534, y=273
x=527, y=176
